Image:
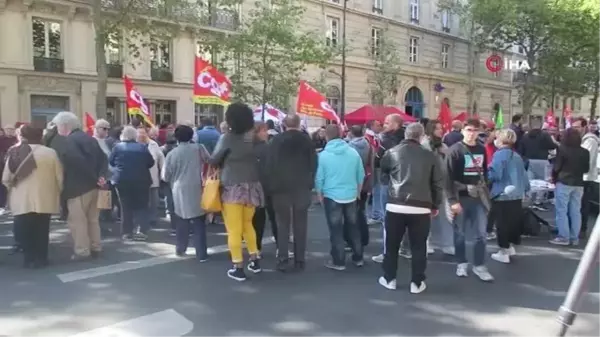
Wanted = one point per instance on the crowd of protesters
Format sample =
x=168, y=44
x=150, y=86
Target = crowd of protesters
x=427, y=189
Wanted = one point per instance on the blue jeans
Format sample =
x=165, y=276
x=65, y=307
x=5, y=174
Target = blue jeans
x=470, y=225
x=442, y=234
x=568, y=210
x=379, y=201
x=538, y=169
x=339, y=216
x=183, y=235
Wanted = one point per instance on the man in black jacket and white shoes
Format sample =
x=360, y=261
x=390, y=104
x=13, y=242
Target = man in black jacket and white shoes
x=414, y=195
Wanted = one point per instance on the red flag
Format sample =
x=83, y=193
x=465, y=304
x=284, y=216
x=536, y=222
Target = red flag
x=568, y=116
x=210, y=85
x=90, y=124
x=550, y=121
x=135, y=102
x=313, y=103
x=445, y=117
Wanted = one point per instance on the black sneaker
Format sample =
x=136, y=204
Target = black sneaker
x=283, y=265
x=331, y=265
x=299, y=265
x=254, y=267
x=237, y=274
x=95, y=254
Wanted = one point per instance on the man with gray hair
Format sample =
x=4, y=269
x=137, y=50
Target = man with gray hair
x=85, y=166
x=414, y=195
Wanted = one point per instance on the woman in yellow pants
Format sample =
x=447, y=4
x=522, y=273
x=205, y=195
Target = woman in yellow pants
x=241, y=191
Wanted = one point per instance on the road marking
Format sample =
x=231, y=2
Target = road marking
x=138, y=264
x=163, y=323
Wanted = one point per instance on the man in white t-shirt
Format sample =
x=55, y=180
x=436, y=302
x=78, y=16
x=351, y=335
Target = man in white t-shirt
x=414, y=195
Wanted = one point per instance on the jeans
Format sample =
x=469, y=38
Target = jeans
x=340, y=217
x=134, y=207
x=470, y=225
x=383, y=196
x=153, y=202
x=442, y=234
x=183, y=235
x=361, y=219
x=568, y=210
x=397, y=225
x=168, y=193
x=538, y=169
x=379, y=201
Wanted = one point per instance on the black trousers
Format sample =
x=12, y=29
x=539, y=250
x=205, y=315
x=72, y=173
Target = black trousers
x=35, y=231
x=361, y=219
x=258, y=222
x=508, y=215
x=585, y=205
x=134, y=207
x=271, y=215
x=291, y=209
x=491, y=219
x=396, y=224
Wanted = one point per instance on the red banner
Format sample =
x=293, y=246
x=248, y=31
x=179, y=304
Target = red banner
x=445, y=117
x=210, y=85
x=135, y=102
x=550, y=121
x=313, y=103
x=90, y=124
x=568, y=116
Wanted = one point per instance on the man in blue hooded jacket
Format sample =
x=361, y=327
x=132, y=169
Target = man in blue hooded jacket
x=338, y=182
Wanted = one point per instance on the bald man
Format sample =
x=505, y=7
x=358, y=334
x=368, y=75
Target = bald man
x=455, y=135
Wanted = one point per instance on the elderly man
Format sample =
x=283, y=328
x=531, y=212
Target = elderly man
x=159, y=162
x=455, y=135
x=85, y=166
x=414, y=195
x=101, y=129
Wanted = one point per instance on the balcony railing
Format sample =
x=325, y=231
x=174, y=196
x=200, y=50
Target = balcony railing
x=190, y=12
x=47, y=64
x=162, y=74
x=521, y=77
x=114, y=70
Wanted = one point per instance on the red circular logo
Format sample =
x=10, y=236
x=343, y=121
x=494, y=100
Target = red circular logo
x=494, y=63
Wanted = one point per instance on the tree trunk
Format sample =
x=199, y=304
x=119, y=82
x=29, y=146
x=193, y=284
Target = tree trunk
x=102, y=81
x=471, y=71
x=594, y=100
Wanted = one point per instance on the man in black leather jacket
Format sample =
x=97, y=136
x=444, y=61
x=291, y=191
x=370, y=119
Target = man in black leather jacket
x=415, y=192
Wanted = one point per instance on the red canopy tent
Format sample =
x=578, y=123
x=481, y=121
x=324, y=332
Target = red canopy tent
x=375, y=112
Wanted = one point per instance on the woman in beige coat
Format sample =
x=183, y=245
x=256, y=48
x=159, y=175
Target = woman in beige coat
x=33, y=175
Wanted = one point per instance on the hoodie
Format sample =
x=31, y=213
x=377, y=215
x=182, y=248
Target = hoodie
x=591, y=142
x=536, y=145
x=340, y=172
x=365, y=151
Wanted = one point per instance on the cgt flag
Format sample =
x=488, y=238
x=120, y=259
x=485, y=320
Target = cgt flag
x=313, y=103
x=90, y=124
x=135, y=102
x=210, y=85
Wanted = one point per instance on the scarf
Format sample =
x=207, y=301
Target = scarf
x=19, y=156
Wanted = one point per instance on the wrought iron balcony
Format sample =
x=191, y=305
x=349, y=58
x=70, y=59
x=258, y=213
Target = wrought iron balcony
x=522, y=77
x=162, y=74
x=47, y=64
x=114, y=70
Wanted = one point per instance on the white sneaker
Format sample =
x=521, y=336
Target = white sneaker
x=511, y=250
x=430, y=249
x=462, y=270
x=417, y=290
x=448, y=250
x=378, y=258
x=405, y=254
x=502, y=256
x=388, y=285
x=483, y=273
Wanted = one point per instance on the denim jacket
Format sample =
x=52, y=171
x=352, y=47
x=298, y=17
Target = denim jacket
x=508, y=170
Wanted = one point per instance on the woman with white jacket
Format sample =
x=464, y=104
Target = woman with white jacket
x=159, y=162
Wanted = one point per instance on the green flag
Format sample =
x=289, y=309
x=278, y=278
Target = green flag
x=499, y=121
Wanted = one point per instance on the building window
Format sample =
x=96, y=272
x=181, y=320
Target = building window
x=446, y=21
x=333, y=96
x=160, y=55
x=445, y=55
x=572, y=103
x=376, y=41
x=378, y=6
x=113, y=49
x=335, y=1
x=47, y=39
x=45, y=107
x=206, y=52
x=413, y=50
x=414, y=11
x=333, y=31
x=163, y=112
x=214, y=112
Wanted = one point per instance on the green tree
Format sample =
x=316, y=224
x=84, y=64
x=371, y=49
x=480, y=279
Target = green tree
x=135, y=24
x=383, y=78
x=273, y=51
x=480, y=37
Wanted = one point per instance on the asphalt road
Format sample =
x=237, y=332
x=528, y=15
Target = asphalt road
x=138, y=289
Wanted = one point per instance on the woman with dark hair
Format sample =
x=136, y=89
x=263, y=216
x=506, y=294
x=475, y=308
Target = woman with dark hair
x=571, y=162
x=241, y=190
x=318, y=138
x=182, y=172
x=34, y=176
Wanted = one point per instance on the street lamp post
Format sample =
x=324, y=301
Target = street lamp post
x=343, y=94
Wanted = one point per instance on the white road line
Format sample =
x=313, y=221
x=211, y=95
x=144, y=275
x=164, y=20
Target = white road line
x=138, y=264
x=163, y=323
